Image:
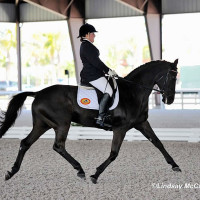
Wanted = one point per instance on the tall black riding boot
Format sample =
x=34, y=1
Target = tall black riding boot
x=103, y=109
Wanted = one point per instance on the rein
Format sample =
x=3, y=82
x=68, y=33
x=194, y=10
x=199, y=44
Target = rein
x=143, y=86
x=162, y=91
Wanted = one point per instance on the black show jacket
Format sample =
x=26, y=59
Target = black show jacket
x=93, y=67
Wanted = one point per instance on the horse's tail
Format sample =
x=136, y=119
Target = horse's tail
x=7, y=119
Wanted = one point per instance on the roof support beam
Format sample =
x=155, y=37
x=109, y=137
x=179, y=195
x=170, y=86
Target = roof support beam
x=57, y=7
x=18, y=34
x=154, y=32
x=149, y=6
x=74, y=25
x=67, y=8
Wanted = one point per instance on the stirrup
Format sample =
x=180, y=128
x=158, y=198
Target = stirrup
x=105, y=117
x=100, y=122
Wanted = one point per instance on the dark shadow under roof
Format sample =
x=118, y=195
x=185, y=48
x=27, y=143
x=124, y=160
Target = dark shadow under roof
x=42, y=10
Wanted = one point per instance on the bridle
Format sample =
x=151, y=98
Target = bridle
x=164, y=90
x=161, y=91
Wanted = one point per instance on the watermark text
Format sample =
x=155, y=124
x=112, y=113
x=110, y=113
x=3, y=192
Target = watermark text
x=176, y=186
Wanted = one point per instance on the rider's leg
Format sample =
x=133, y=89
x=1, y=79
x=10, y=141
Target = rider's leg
x=103, y=109
x=103, y=85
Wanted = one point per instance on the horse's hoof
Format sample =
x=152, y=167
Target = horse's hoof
x=93, y=179
x=81, y=175
x=7, y=176
x=176, y=169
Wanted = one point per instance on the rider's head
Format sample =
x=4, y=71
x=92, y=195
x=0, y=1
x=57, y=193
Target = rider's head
x=87, y=31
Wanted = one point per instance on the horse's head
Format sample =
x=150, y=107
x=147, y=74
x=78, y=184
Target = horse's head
x=167, y=83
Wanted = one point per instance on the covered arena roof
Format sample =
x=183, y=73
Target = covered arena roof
x=31, y=10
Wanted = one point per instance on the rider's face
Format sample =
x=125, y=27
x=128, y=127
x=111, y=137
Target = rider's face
x=90, y=37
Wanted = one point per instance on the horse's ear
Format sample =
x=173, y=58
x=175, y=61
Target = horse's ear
x=175, y=62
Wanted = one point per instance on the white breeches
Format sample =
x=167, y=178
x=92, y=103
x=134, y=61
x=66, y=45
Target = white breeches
x=102, y=85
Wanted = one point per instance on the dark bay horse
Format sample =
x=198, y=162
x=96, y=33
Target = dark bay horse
x=56, y=107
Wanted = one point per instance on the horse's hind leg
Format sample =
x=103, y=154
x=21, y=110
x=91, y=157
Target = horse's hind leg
x=26, y=143
x=148, y=132
x=59, y=146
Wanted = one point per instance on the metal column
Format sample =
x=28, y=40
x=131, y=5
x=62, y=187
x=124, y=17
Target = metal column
x=18, y=34
x=74, y=25
x=154, y=32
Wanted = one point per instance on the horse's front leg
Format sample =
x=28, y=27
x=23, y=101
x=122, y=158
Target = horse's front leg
x=118, y=137
x=148, y=132
x=59, y=146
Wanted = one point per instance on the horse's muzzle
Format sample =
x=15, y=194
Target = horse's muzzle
x=168, y=100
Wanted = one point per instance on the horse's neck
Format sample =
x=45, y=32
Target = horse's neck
x=145, y=77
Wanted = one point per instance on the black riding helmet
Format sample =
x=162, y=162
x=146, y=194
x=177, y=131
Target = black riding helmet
x=86, y=28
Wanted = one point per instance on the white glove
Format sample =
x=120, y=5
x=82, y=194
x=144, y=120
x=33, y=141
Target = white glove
x=112, y=73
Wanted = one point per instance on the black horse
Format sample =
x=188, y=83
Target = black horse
x=56, y=107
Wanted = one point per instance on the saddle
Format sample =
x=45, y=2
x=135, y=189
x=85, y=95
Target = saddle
x=88, y=97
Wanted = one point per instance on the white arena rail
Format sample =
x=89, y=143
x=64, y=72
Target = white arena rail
x=85, y=133
x=184, y=99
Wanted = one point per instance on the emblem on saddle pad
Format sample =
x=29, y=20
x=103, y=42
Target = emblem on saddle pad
x=85, y=101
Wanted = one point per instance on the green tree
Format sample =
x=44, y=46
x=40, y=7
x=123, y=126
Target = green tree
x=45, y=51
x=46, y=48
x=146, y=54
x=52, y=45
x=125, y=51
x=7, y=43
x=112, y=57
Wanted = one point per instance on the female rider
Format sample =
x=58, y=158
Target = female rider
x=94, y=70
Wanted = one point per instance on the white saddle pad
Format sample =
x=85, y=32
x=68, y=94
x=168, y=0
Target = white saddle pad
x=87, y=98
